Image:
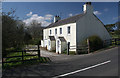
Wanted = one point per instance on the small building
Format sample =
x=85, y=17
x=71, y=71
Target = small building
x=75, y=29
x=61, y=44
x=51, y=43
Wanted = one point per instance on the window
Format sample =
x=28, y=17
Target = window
x=55, y=31
x=50, y=31
x=68, y=30
x=60, y=30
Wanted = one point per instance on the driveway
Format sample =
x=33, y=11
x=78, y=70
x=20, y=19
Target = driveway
x=54, y=57
x=46, y=53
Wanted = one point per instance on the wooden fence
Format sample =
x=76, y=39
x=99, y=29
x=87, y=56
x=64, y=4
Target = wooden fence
x=78, y=48
x=86, y=48
x=22, y=56
x=114, y=41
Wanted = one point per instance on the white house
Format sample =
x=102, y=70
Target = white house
x=74, y=30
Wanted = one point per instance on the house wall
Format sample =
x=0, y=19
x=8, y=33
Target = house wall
x=69, y=37
x=89, y=25
x=63, y=46
x=53, y=47
x=45, y=37
x=58, y=46
x=42, y=43
x=49, y=45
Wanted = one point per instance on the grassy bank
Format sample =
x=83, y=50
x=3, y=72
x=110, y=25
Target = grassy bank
x=29, y=58
x=70, y=52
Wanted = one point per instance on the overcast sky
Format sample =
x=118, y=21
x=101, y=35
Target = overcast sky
x=44, y=12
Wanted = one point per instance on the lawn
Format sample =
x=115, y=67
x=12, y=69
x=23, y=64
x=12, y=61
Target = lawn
x=29, y=58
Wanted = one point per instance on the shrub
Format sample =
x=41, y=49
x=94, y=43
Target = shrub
x=95, y=43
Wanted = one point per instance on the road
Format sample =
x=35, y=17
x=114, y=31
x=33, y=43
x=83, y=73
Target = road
x=104, y=63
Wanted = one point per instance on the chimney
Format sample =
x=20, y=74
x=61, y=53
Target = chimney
x=56, y=18
x=87, y=8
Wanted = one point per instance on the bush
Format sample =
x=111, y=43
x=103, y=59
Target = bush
x=95, y=43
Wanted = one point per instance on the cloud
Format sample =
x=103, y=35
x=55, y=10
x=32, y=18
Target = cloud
x=106, y=9
x=70, y=14
x=48, y=17
x=29, y=14
x=44, y=20
x=97, y=13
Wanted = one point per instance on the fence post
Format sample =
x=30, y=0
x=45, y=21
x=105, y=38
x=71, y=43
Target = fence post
x=68, y=47
x=38, y=51
x=2, y=62
x=115, y=42
x=22, y=57
x=88, y=43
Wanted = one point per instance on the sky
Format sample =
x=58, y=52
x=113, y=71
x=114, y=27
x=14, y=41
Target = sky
x=44, y=12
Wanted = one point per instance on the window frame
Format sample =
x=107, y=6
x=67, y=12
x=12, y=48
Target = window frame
x=50, y=31
x=55, y=30
x=60, y=30
x=68, y=30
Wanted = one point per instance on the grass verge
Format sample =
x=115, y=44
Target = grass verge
x=29, y=59
x=70, y=52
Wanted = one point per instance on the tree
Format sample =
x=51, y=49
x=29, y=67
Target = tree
x=117, y=31
x=27, y=38
x=35, y=30
x=110, y=27
x=12, y=32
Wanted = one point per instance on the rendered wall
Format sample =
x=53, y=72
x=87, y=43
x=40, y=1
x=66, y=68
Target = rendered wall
x=89, y=25
x=69, y=37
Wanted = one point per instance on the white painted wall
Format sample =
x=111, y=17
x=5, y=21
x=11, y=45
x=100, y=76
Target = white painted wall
x=53, y=45
x=49, y=45
x=62, y=46
x=42, y=43
x=89, y=25
x=69, y=37
x=58, y=46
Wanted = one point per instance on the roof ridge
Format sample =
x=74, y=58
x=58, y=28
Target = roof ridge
x=72, y=16
x=68, y=20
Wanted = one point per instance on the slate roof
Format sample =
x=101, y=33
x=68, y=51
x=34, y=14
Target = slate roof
x=62, y=39
x=72, y=19
x=52, y=38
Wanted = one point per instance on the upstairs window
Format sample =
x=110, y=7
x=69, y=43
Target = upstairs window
x=60, y=30
x=68, y=29
x=50, y=31
x=56, y=31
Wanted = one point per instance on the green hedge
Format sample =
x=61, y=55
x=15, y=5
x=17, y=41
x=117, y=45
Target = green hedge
x=95, y=43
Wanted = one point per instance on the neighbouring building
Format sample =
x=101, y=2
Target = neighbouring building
x=73, y=29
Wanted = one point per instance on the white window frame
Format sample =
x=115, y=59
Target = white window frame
x=68, y=30
x=50, y=31
x=55, y=30
x=60, y=30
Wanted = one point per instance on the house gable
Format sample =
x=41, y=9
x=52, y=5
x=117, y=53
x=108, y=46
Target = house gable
x=90, y=25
